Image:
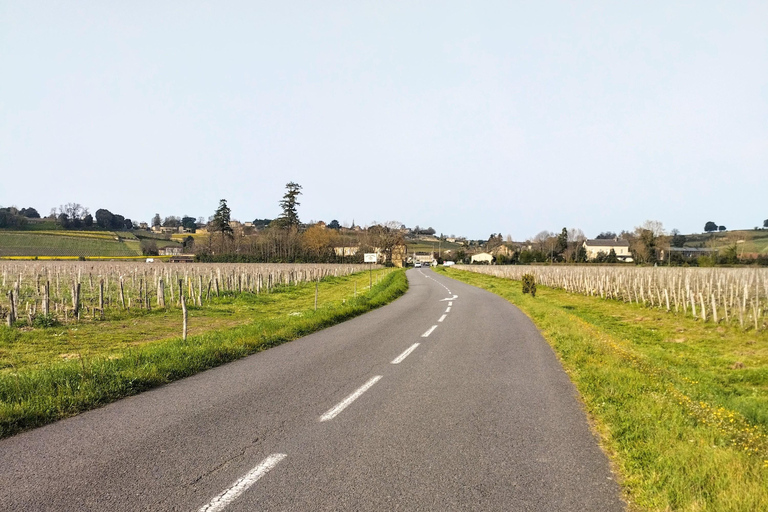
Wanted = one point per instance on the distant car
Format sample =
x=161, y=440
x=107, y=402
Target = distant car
x=448, y=263
x=417, y=264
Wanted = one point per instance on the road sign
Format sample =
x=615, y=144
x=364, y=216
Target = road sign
x=370, y=257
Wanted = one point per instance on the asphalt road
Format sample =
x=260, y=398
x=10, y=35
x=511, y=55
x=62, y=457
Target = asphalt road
x=478, y=416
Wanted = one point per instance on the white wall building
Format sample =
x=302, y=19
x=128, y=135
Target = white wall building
x=620, y=247
x=482, y=257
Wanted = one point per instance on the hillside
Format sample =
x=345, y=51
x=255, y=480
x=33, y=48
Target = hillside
x=754, y=241
x=53, y=243
x=430, y=246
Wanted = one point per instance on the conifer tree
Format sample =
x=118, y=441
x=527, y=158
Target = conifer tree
x=290, y=217
x=221, y=219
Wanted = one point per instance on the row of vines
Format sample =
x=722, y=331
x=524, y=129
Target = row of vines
x=719, y=295
x=67, y=290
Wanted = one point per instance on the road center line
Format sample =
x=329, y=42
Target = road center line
x=448, y=309
x=450, y=304
x=221, y=501
x=442, y=318
x=399, y=359
x=351, y=398
x=429, y=331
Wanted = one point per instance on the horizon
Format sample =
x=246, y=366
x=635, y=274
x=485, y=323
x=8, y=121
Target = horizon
x=438, y=232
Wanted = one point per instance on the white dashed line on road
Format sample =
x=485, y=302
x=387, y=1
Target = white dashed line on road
x=442, y=318
x=221, y=501
x=448, y=309
x=429, y=331
x=351, y=398
x=435, y=280
x=399, y=359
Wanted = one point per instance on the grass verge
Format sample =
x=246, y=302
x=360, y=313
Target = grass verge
x=37, y=391
x=681, y=407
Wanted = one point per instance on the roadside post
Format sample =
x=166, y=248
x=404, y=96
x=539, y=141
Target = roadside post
x=370, y=257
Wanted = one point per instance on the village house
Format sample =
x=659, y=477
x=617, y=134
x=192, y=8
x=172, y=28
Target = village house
x=423, y=257
x=619, y=246
x=502, y=250
x=170, y=251
x=482, y=257
x=163, y=230
x=399, y=255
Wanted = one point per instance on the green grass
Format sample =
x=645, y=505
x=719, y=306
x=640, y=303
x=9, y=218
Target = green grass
x=52, y=373
x=22, y=243
x=681, y=407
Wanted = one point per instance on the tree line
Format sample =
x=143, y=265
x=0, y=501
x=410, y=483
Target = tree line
x=286, y=240
x=648, y=244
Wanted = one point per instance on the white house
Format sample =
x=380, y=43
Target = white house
x=482, y=257
x=170, y=251
x=423, y=257
x=620, y=247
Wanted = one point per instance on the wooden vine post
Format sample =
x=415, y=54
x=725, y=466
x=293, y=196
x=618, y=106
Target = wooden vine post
x=101, y=298
x=183, y=311
x=12, y=313
x=47, y=299
x=76, y=301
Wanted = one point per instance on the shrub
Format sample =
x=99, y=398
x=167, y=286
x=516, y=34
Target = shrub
x=529, y=284
x=44, y=321
x=148, y=247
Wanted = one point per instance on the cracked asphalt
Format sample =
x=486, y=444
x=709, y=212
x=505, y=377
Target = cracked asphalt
x=480, y=416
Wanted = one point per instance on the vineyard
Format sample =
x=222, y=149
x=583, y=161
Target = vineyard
x=720, y=295
x=41, y=243
x=38, y=292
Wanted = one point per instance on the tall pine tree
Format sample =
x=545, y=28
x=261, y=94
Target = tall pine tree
x=221, y=219
x=290, y=217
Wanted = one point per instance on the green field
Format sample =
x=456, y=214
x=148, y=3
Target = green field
x=421, y=246
x=66, y=243
x=679, y=405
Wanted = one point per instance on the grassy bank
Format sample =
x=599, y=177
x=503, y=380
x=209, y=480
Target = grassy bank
x=680, y=406
x=57, y=372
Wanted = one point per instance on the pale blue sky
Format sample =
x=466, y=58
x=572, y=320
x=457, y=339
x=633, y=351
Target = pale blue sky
x=470, y=117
